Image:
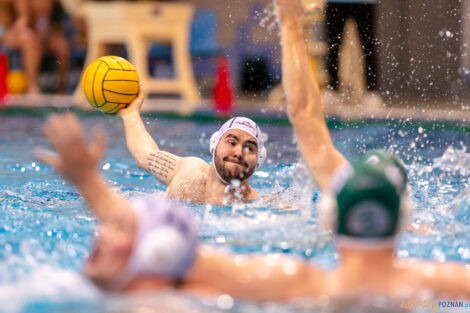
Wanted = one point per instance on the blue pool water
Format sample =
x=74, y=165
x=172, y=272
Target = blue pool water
x=46, y=230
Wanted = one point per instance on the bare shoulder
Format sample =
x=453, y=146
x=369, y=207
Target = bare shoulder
x=194, y=163
x=190, y=180
x=191, y=168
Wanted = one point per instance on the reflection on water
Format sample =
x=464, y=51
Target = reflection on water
x=46, y=230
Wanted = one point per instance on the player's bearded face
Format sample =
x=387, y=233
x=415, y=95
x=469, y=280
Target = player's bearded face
x=236, y=155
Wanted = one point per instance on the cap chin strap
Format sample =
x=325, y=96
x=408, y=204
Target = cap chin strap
x=213, y=145
x=217, y=173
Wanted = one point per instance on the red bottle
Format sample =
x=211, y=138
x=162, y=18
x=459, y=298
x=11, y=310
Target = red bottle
x=223, y=96
x=3, y=79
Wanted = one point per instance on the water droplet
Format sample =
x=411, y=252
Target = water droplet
x=289, y=268
x=220, y=239
x=225, y=302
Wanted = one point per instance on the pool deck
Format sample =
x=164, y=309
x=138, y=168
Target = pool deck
x=414, y=110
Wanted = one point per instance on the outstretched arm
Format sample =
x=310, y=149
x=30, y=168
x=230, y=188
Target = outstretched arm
x=148, y=156
x=78, y=163
x=305, y=109
x=259, y=278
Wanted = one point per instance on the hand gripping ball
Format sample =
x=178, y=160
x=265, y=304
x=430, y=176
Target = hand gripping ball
x=110, y=83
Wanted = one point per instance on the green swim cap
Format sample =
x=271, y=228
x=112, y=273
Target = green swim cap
x=369, y=201
x=383, y=160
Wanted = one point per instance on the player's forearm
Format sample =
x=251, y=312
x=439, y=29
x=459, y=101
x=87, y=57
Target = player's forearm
x=302, y=91
x=107, y=205
x=138, y=140
x=251, y=277
x=317, y=149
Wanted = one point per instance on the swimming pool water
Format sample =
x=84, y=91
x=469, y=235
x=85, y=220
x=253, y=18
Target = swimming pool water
x=46, y=230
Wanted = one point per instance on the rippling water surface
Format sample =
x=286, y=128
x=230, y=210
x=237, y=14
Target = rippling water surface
x=46, y=230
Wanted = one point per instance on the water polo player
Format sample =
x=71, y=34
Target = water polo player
x=237, y=151
x=149, y=243
x=366, y=203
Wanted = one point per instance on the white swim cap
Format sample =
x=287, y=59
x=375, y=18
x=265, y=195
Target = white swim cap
x=165, y=242
x=247, y=125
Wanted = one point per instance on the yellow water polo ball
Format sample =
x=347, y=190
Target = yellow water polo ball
x=110, y=83
x=17, y=82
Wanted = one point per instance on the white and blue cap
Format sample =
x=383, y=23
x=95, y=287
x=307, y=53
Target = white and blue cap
x=165, y=241
x=245, y=124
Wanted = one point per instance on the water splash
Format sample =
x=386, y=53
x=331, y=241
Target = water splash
x=46, y=223
x=454, y=162
x=45, y=282
x=460, y=208
x=442, y=222
x=268, y=18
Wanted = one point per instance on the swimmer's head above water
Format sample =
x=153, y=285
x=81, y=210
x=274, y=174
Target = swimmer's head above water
x=237, y=149
x=369, y=203
x=162, y=248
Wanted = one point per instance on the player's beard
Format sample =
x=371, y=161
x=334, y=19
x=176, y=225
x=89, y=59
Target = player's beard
x=242, y=174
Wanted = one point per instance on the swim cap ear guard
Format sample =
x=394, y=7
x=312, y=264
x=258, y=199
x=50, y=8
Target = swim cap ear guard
x=213, y=142
x=261, y=156
x=165, y=241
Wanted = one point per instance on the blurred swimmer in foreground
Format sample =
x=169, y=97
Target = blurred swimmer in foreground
x=366, y=203
x=150, y=244
x=237, y=150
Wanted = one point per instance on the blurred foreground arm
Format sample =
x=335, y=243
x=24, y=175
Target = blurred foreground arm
x=147, y=154
x=259, y=278
x=78, y=163
x=305, y=109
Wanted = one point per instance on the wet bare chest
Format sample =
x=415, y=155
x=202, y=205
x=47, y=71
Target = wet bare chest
x=190, y=183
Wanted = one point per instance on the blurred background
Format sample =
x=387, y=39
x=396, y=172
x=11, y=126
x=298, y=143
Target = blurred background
x=421, y=54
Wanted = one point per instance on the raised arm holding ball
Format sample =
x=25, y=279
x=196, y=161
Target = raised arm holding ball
x=111, y=85
x=237, y=150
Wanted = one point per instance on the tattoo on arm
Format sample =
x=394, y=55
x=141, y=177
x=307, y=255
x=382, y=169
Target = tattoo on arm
x=161, y=164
